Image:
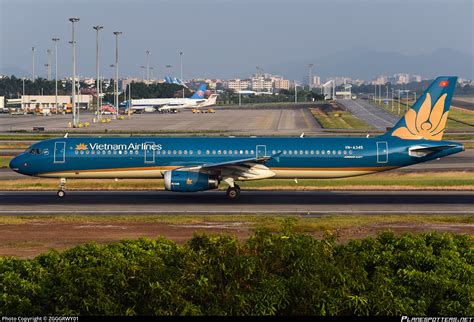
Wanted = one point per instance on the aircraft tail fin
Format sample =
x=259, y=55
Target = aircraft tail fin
x=426, y=119
x=200, y=92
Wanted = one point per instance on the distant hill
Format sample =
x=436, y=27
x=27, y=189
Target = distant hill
x=366, y=64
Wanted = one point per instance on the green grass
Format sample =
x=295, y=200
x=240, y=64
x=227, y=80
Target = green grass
x=425, y=180
x=5, y=161
x=338, y=120
x=272, y=222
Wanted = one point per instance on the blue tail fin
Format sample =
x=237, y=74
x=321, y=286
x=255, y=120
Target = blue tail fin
x=200, y=92
x=426, y=119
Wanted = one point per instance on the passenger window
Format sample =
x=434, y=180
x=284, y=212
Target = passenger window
x=190, y=151
x=219, y=151
x=290, y=152
x=208, y=152
x=246, y=151
x=180, y=152
x=185, y=152
x=306, y=152
x=311, y=152
x=213, y=151
x=284, y=152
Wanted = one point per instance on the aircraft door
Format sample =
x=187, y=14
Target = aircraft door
x=382, y=152
x=59, y=152
x=149, y=153
x=261, y=151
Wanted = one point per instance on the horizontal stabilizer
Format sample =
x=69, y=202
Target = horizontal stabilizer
x=422, y=151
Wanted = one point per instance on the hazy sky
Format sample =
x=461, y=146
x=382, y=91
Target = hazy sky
x=224, y=38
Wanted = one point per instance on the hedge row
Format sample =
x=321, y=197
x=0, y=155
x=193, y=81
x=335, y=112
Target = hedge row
x=283, y=273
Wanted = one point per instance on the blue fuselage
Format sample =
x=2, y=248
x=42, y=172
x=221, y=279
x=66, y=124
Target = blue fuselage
x=151, y=157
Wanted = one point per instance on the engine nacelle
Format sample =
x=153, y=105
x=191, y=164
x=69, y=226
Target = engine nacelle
x=189, y=181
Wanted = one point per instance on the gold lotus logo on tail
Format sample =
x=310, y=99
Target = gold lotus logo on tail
x=427, y=123
x=81, y=147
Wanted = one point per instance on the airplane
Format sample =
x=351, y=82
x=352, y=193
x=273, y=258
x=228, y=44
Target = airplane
x=198, y=164
x=165, y=104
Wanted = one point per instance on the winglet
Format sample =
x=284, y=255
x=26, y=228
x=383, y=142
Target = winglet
x=302, y=135
x=65, y=135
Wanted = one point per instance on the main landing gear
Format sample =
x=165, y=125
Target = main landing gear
x=62, y=188
x=233, y=192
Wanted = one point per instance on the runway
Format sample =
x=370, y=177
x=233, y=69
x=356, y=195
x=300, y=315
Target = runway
x=373, y=115
x=250, y=202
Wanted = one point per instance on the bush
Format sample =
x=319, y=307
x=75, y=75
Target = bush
x=283, y=273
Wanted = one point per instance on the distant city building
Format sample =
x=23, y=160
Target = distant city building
x=416, y=78
x=402, y=78
x=380, y=80
x=257, y=83
x=2, y=102
x=316, y=81
x=340, y=80
x=237, y=84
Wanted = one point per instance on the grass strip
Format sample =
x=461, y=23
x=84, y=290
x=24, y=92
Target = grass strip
x=273, y=222
x=455, y=180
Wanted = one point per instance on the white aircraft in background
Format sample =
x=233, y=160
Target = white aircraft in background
x=197, y=100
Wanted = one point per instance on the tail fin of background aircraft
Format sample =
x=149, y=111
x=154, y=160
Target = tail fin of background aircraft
x=426, y=119
x=200, y=92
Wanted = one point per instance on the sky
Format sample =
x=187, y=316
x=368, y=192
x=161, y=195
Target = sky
x=224, y=38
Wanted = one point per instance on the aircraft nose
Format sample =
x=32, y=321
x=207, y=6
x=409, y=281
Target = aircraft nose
x=16, y=164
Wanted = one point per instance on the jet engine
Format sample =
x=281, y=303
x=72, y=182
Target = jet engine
x=189, y=181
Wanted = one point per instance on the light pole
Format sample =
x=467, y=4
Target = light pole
x=47, y=69
x=143, y=72
x=148, y=65
x=151, y=73
x=33, y=50
x=55, y=39
x=296, y=93
x=310, y=67
x=75, y=119
x=169, y=70
x=392, y=99
x=48, y=51
x=97, y=89
x=181, y=65
x=399, y=101
x=116, y=33
x=113, y=66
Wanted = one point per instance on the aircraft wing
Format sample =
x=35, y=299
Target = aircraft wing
x=243, y=169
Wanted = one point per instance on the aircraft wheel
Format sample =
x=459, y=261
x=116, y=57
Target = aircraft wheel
x=233, y=193
x=61, y=193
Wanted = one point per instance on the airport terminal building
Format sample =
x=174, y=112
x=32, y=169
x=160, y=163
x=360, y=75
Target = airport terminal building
x=28, y=102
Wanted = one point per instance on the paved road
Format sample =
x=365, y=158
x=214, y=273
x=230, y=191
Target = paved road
x=373, y=115
x=255, y=202
x=464, y=103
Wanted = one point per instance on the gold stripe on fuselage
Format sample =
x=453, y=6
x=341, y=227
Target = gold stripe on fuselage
x=157, y=172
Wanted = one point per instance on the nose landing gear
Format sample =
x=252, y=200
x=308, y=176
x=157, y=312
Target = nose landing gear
x=62, y=188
